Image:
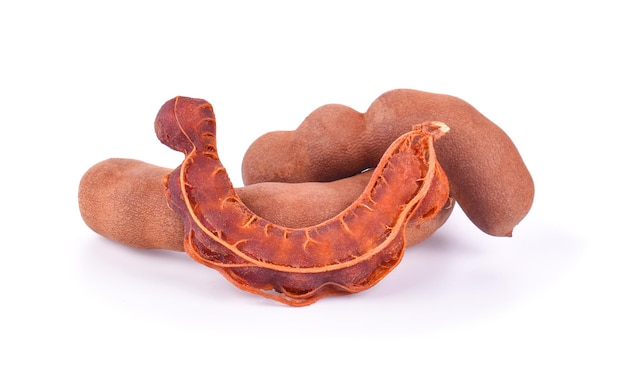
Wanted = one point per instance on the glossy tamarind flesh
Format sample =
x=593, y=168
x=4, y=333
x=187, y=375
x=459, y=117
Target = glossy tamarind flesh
x=348, y=253
x=486, y=173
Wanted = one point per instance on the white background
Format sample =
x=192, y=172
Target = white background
x=82, y=82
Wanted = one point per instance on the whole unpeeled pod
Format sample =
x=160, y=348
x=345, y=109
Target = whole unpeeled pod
x=487, y=175
x=347, y=253
x=125, y=200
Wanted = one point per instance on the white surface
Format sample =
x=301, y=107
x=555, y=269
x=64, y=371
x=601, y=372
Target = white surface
x=81, y=83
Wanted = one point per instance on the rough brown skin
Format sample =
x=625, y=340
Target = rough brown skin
x=346, y=254
x=487, y=175
x=124, y=200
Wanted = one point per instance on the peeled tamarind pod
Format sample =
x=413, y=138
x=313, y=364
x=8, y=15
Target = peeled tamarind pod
x=125, y=200
x=487, y=175
x=348, y=253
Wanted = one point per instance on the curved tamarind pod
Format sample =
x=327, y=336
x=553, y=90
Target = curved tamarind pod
x=487, y=175
x=124, y=200
x=297, y=266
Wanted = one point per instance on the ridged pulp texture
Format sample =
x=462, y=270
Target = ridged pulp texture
x=297, y=266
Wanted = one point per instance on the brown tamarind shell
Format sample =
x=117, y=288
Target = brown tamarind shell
x=348, y=253
x=487, y=175
x=125, y=200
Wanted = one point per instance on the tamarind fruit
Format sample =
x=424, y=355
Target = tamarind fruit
x=486, y=173
x=125, y=200
x=348, y=253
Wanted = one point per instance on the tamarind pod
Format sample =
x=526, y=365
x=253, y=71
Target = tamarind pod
x=125, y=200
x=297, y=266
x=487, y=175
